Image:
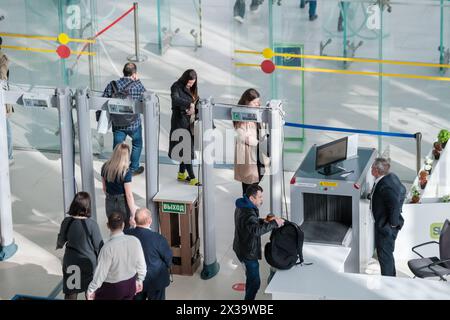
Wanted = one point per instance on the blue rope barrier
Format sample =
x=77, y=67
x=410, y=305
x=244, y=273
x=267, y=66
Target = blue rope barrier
x=371, y=132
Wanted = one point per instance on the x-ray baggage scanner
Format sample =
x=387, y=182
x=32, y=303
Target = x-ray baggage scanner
x=34, y=98
x=271, y=114
x=332, y=209
x=148, y=105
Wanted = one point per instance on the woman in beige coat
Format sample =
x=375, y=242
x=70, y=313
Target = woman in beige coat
x=248, y=164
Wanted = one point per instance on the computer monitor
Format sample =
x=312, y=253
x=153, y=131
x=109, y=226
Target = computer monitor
x=329, y=154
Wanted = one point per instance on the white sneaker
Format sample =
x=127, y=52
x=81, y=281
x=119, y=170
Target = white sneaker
x=239, y=19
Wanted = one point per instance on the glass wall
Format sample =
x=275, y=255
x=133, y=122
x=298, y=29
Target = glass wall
x=29, y=31
x=341, y=93
x=330, y=92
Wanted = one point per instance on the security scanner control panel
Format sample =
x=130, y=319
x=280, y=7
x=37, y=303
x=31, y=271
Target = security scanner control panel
x=331, y=208
x=117, y=106
x=246, y=114
x=36, y=100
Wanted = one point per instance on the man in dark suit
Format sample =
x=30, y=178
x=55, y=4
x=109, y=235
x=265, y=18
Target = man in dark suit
x=386, y=200
x=158, y=257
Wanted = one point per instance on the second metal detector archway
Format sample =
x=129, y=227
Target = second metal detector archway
x=209, y=111
x=148, y=105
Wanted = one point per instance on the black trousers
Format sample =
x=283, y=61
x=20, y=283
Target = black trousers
x=189, y=168
x=151, y=295
x=385, y=245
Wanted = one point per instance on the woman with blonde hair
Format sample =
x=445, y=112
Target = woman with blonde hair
x=248, y=163
x=116, y=177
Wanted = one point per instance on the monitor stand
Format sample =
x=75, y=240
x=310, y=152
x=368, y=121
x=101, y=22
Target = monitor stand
x=330, y=170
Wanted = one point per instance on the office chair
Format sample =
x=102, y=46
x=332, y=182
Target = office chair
x=433, y=266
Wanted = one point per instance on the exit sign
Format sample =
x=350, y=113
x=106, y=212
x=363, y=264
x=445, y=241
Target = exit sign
x=171, y=207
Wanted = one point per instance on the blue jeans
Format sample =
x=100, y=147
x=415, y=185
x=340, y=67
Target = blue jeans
x=136, y=141
x=253, y=281
x=239, y=7
x=9, y=138
x=312, y=7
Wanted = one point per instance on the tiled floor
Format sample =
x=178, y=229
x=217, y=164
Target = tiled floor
x=37, y=214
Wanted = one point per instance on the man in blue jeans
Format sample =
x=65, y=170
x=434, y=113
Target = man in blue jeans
x=249, y=228
x=127, y=125
x=312, y=8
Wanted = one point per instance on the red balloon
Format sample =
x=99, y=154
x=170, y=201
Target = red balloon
x=63, y=51
x=267, y=66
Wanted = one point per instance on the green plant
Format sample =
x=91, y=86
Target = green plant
x=446, y=198
x=443, y=136
x=415, y=192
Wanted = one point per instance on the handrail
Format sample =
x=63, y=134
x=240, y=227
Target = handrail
x=417, y=136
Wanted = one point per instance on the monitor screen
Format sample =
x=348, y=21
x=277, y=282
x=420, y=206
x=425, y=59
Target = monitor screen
x=330, y=153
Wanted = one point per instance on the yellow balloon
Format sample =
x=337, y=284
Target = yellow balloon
x=268, y=53
x=63, y=38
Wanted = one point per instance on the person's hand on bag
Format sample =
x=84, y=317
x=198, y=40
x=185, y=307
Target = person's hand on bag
x=279, y=221
x=191, y=110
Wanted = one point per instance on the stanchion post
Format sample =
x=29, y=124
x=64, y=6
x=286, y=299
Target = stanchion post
x=91, y=68
x=200, y=22
x=137, y=57
x=418, y=137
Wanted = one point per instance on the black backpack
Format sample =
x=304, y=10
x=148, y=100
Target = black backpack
x=285, y=248
x=119, y=120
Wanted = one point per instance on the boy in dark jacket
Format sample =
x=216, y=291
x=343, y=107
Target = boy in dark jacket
x=247, y=236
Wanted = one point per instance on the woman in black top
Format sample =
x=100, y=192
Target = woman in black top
x=184, y=96
x=83, y=241
x=116, y=177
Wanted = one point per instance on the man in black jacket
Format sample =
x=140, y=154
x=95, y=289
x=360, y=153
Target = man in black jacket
x=386, y=200
x=247, y=236
x=158, y=257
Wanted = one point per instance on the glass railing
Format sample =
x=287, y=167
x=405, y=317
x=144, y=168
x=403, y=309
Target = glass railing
x=354, y=94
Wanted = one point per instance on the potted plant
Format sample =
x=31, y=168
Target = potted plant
x=443, y=137
x=423, y=179
x=437, y=149
x=415, y=195
x=446, y=198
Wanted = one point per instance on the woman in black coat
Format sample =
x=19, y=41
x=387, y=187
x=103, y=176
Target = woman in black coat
x=184, y=96
x=83, y=241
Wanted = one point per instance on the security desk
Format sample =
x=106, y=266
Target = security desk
x=331, y=210
x=325, y=280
